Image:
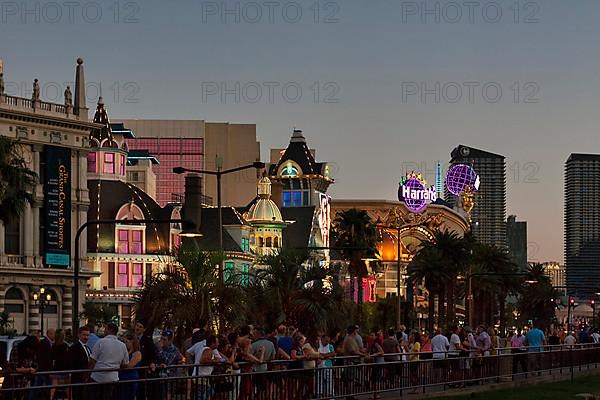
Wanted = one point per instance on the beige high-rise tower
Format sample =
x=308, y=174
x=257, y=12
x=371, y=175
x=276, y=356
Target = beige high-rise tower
x=196, y=144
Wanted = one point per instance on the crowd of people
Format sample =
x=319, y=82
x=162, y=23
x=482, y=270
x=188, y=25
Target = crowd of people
x=459, y=355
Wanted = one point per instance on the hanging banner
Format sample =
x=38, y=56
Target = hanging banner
x=57, y=203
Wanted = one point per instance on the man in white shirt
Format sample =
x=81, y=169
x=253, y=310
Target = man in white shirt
x=194, y=354
x=439, y=347
x=595, y=336
x=108, y=353
x=570, y=341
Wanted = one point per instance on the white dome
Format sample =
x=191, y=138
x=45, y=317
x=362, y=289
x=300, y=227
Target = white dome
x=264, y=210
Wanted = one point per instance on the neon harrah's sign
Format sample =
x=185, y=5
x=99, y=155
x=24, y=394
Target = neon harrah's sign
x=414, y=193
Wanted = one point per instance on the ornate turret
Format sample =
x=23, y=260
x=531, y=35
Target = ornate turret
x=102, y=137
x=108, y=156
x=265, y=218
x=301, y=176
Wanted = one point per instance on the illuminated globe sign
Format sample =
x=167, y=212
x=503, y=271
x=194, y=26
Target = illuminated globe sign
x=460, y=176
x=414, y=193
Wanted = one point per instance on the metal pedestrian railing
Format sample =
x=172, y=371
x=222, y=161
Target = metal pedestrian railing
x=347, y=377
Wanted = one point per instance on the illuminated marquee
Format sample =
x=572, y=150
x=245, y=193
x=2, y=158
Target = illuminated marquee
x=324, y=217
x=414, y=193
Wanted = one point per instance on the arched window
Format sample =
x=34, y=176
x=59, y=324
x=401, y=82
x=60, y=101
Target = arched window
x=289, y=169
x=268, y=242
x=14, y=294
x=175, y=230
x=275, y=242
x=130, y=238
x=261, y=242
x=14, y=305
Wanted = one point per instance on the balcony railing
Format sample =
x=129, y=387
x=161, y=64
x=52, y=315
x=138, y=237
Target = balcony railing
x=29, y=104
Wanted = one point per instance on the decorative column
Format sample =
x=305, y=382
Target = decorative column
x=2, y=239
x=67, y=308
x=27, y=238
x=33, y=313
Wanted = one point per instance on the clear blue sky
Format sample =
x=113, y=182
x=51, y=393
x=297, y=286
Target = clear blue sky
x=177, y=48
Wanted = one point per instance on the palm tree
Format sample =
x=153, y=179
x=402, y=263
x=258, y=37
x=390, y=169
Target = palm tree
x=17, y=182
x=287, y=290
x=429, y=266
x=356, y=237
x=493, y=279
x=189, y=293
x=438, y=264
x=453, y=250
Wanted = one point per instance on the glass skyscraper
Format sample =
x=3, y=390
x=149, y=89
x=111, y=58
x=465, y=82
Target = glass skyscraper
x=582, y=224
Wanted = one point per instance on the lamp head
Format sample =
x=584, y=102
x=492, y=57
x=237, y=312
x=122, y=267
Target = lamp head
x=190, y=234
x=258, y=165
x=178, y=170
x=189, y=230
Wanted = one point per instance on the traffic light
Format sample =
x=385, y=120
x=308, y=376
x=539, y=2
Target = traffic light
x=571, y=301
x=592, y=302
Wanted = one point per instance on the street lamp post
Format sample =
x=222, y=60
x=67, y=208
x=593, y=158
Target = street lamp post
x=110, y=222
x=398, y=278
x=219, y=173
x=593, y=304
x=470, y=292
x=42, y=299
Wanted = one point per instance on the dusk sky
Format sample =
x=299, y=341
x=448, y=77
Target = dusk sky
x=358, y=64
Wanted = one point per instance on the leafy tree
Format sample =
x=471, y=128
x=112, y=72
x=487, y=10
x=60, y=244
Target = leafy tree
x=98, y=313
x=536, y=301
x=17, y=182
x=5, y=324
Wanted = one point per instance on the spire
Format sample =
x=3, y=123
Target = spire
x=100, y=135
x=80, y=108
x=297, y=136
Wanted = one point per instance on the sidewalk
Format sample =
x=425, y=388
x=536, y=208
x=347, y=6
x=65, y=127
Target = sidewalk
x=435, y=392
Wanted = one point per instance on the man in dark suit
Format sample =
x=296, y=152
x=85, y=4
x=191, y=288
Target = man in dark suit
x=79, y=356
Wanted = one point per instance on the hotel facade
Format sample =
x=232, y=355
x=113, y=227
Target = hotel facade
x=37, y=248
